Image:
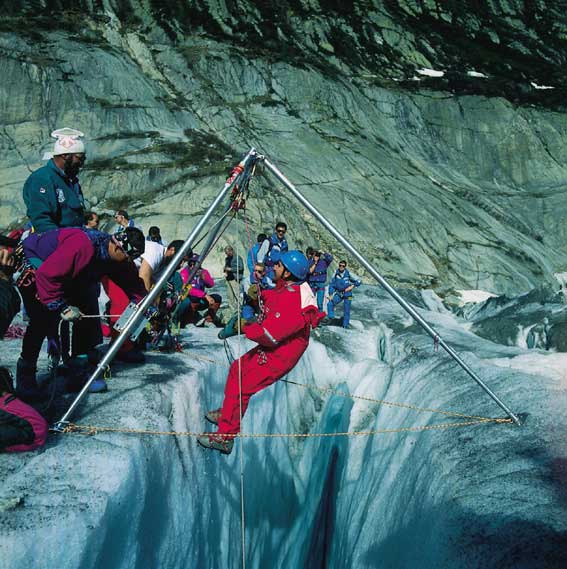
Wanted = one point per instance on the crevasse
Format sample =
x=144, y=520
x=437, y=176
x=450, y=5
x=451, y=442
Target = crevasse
x=479, y=496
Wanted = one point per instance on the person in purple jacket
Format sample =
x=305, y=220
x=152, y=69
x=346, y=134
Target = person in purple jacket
x=318, y=265
x=59, y=266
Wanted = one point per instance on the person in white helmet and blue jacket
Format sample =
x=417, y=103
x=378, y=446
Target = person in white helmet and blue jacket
x=52, y=194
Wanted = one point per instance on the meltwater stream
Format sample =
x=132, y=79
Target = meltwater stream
x=474, y=496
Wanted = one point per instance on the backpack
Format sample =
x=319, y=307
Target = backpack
x=22, y=428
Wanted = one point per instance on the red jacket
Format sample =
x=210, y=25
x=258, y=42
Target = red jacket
x=289, y=312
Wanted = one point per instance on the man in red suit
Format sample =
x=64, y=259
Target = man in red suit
x=289, y=312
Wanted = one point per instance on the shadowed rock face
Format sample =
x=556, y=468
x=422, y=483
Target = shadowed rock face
x=452, y=181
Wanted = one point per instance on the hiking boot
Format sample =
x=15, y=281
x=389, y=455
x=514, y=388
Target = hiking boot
x=77, y=373
x=75, y=383
x=98, y=386
x=213, y=416
x=229, y=330
x=217, y=442
x=27, y=388
x=131, y=357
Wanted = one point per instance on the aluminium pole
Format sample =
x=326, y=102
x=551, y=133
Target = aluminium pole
x=152, y=295
x=407, y=307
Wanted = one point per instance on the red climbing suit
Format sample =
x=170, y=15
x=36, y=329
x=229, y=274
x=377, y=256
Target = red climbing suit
x=282, y=332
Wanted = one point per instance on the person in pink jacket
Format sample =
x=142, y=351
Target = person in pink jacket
x=198, y=300
x=289, y=312
x=60, y=264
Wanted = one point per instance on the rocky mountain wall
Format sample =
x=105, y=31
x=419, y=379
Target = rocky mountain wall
x=452, y=181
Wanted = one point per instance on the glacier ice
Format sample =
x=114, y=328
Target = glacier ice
x=479, y=496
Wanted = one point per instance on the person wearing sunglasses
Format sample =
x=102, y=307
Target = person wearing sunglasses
x=289, y=312
x=273, y=248
x=340, y=289
x=60, y=265
x=52, y=194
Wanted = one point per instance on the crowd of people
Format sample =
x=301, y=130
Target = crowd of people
x=60, y=263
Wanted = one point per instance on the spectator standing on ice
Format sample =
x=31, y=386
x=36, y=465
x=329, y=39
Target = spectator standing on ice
x=318, y=266
x=282, y=334
x=91, y=220
x=54, y=199
x=340, y=289
x=252, y=257
x=122, y=220
x=154, y=234
x=52, y=194
x=273, y=248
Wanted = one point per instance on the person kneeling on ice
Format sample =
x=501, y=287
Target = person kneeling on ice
x=282, y=333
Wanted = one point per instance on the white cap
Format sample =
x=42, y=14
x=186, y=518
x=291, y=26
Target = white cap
x=68, y=141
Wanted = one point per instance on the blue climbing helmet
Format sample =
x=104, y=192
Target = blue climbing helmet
x=296, y=263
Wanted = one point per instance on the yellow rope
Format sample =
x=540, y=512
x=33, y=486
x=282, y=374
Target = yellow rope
x=73, y=428
x=362, y=398
x=389, y=403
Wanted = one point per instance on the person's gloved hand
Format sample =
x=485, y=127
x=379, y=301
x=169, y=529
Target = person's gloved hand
x=71, y=314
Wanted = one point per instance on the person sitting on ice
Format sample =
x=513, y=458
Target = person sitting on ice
x=319, y=264
x=59, y=266
x=289, y=312
x=22, y=428
x=340, y=289
x=199, y=308
x=250, y=304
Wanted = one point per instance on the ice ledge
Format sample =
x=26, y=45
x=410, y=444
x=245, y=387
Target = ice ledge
x=102, y=501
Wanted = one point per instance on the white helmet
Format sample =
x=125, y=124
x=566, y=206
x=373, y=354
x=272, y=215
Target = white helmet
x=68, y=141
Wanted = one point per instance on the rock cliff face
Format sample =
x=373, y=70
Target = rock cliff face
x=421, y=129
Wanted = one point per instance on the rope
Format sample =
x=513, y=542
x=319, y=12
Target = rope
x=212, y=227
x=231, y=358
x=239, y=313
x=73, y=428
x=389, y=403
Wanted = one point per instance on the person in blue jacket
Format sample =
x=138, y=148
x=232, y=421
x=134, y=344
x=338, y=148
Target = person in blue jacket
x=52, y=194
x=340, y=289
x=318, y=265
x=273, y=248
x=252, y=257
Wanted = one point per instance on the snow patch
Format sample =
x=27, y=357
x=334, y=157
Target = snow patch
x=474, y=296
x=430, y=72
x=536, y=86
x=477, y=74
